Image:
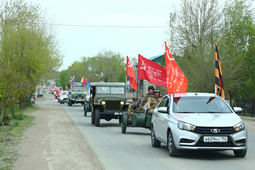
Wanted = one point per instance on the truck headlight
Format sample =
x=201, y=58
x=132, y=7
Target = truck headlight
x=186, y=126
x=239, y=127
x=122, y=102
x=103, y=102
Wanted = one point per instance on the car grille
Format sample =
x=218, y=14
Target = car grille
x=208, y=130
x=113, y=105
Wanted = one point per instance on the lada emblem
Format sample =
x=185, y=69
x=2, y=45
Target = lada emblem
x=215, y=130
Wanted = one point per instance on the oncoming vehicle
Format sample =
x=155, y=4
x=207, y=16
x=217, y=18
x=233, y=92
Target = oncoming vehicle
x=198, y=121
x=107, y=100
x=77, y=93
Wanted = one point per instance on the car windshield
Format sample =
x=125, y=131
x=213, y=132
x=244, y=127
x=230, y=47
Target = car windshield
x=200, y=104
x=79, y=88
x=112, y=90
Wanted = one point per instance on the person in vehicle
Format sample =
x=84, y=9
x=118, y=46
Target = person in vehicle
x=134, y=107
x=148, y=95
x=153, y=102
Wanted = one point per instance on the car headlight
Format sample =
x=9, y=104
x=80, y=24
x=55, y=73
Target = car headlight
x=186, y=126
x=122, y=102
x=239, y=127
x=103, y=102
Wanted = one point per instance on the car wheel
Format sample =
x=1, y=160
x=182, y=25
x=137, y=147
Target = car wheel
x=93, y=117
x=69, y=103
x=97, y=122
x=172, y=151
x=123, y=128
x=154, y=141
x=240, y=153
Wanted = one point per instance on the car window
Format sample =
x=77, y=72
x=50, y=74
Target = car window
x=200, y=104
x=103, y=89
x=117, y=90
x=163, y=101
x=166, y=103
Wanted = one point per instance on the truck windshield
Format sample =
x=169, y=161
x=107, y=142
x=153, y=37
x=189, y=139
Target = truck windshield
x=79, y=88
x=203, y=104
x=112, y=90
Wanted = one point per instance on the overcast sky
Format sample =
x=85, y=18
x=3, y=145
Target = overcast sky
x=121, y=26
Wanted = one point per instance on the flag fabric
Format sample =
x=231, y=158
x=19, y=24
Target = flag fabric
x=219, y=88
x=88, y=84
x=151, y=71
x=84, y=81
x=131, y=74
x=176, y=80
x=70, y=80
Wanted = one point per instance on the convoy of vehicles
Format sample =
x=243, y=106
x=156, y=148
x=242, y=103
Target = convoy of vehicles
x=182, y=121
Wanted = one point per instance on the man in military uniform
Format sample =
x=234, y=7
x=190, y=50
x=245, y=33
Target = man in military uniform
x=134, y=107
x=148, y=95
x=153, y=102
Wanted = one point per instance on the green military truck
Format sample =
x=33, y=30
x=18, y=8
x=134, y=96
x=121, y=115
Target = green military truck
x=108, y=101
x=77, y=93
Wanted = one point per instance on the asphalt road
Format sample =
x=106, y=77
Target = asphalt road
x=133, y=150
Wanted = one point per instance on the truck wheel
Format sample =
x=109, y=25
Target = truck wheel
x=93, y=117
x=70, y=103
x=240, y=153
x=172, y=150
x=97, y=122
x=85, y=110
x=154, y=141
x=123, y=128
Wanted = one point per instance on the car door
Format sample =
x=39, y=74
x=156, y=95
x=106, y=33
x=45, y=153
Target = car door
x=161, y=119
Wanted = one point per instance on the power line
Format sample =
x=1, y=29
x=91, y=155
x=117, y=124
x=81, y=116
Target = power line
x=107, y=26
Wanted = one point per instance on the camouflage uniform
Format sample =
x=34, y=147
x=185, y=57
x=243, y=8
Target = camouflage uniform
x=134, y=108
x=145, y=99
x=152, y=103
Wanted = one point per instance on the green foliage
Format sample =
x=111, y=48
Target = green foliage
x=106, y=66
x=28, y=52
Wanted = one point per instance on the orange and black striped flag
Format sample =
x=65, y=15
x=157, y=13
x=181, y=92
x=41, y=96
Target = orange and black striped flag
x=219, y=88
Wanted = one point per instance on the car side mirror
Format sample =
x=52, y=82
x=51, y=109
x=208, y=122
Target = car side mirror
x=162, y=109
x=238, y=110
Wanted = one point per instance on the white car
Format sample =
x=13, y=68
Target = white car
x=63, y=97
x=198, y=121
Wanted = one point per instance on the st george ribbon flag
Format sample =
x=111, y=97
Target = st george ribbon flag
x=219, y=88
x=131, y=74
x=151, y=71
x=176, y=80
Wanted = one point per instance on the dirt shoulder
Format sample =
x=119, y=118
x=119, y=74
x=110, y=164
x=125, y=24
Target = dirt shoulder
x=54, y=142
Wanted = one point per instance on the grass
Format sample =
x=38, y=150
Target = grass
x=11, y=135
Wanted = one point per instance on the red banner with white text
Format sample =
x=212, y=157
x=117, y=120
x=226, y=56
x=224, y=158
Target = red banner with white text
x=151, y=71
x=176, y=80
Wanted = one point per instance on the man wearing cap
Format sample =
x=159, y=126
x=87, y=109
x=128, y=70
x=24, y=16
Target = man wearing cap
x=148, y=95
x=153, y=102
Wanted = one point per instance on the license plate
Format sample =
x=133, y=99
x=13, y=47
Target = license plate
x=211, y=139
x=117, y=113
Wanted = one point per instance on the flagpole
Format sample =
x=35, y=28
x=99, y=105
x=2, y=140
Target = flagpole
x=126, y=87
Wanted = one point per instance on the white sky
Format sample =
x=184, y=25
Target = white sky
x=79, y=41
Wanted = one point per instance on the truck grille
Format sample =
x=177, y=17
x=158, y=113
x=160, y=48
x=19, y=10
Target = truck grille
x=112, y=105
x=207, y=130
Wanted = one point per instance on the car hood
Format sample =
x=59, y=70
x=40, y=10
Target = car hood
x=208, y=119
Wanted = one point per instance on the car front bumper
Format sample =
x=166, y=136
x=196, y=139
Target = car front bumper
x=190, y=140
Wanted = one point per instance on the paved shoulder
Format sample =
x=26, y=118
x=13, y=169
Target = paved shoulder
x=53, y=142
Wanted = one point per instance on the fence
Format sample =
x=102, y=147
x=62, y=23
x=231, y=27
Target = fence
x=248, y=106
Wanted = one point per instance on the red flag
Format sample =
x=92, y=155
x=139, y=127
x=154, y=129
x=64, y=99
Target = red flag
x=131, y=74
x=176, y=80
x=151, y=71
x=84, y=82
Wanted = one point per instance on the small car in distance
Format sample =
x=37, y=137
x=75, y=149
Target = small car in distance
x=198, y=121
x=63, y=97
